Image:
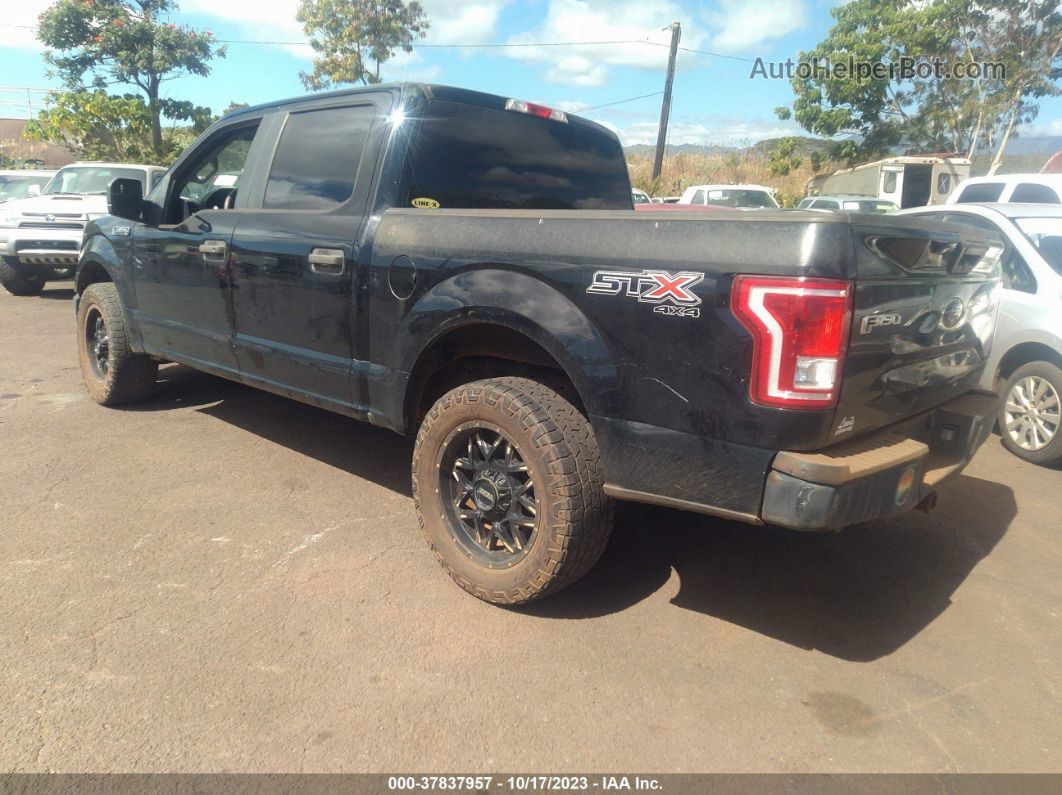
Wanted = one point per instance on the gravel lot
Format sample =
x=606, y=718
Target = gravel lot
x=222, y=579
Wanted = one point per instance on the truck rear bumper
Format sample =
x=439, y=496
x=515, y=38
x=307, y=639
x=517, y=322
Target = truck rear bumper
x=882, y=474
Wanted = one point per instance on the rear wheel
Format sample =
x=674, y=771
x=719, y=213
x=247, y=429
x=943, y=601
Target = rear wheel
x=508, y=487
x=1029, y=417
x=18, y=280
x=113, y=374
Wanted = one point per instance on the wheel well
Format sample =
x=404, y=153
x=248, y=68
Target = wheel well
x=1023, y=354
x=475, y=352
x=91, y=273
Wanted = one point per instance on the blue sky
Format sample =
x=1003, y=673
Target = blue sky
x=715, y=101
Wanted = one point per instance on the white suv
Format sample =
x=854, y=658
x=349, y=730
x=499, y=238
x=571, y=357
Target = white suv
x=40, y=237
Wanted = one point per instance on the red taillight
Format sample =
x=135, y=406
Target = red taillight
x=799, y=331
x=532, y=109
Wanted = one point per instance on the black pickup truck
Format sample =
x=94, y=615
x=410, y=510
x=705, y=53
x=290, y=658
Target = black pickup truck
x=469, y=269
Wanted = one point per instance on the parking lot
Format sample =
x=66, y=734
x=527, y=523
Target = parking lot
x=221, y=579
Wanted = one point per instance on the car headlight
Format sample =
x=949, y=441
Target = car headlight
x=9, y=219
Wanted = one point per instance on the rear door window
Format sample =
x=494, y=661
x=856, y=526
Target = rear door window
x=317, y=159
x=981, y=192
x=1031, y=193
x=469, y=156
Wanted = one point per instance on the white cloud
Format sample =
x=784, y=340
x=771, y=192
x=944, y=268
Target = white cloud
x=1053, y=127
x=452, y=21
x=740, y=25
x=463, y=21
x=20, y=19
x=603, y=20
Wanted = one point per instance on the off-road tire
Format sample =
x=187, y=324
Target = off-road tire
x=557, y=442
x=1050, y=454
x=129, y=377
x=16, y=281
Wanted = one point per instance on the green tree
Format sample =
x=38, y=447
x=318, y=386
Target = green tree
x=1026, y=35
x=99, y=44
x=926, y=112
x=352, y=38
x=783, y=158
x=96, y=125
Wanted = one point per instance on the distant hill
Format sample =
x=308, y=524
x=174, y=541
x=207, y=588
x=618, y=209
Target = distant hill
x=1021, y=146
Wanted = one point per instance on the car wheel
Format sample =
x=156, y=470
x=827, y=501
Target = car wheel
x=114, y=375
x=508, y=487
x=1029, y=415
x=17, y=280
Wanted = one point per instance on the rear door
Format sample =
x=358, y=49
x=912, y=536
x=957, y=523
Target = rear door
x=295, y=252
x=925, y=306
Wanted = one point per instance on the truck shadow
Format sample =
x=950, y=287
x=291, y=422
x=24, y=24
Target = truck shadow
x=355, y=447
x=857, y=595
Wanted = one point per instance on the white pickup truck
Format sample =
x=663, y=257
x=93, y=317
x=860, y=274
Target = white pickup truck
x=40, y=236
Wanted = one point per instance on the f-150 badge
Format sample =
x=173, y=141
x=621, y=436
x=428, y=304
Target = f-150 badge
x=670, y=293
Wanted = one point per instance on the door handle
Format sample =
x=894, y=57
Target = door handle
x=213, y=248
x=329, y=261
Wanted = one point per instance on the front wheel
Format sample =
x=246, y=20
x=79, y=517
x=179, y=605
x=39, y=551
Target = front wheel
x=113, y=374
x=1029, y=415
x=18, y=280
x=507, y=483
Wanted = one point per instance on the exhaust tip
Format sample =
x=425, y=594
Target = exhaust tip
x=928, y=503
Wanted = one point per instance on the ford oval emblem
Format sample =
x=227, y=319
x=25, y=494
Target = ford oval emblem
x=50, y=218
x=953, y=314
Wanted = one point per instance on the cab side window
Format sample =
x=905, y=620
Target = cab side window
x=1030, y=192
x=698, y=197
x=981, y=192
x=317, y=159
x=210, y=181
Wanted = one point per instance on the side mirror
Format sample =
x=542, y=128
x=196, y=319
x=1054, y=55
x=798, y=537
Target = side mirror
x=125, y=198
x=34, y=190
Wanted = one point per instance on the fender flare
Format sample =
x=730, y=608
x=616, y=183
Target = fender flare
x=521, y=303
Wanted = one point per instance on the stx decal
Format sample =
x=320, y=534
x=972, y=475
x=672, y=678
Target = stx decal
x=670, y=292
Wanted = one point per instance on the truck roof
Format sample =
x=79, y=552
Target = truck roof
x=425, y=90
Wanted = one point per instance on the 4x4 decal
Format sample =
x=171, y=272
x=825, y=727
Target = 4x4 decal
x=671, y=293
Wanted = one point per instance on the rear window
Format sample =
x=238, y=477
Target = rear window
x=1031, y=193
x=981, y=192
x=740, y=198
x=471, y=157
x=317, y=158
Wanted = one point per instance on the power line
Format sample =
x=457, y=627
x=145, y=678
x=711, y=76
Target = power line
x=617, y=102
x=471, y=45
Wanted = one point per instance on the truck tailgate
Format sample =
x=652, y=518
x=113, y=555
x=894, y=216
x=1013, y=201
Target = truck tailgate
x=925, y=303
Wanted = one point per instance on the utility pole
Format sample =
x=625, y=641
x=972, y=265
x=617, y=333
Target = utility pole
x=665, y=107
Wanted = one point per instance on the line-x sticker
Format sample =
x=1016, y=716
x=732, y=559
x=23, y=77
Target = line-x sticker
x=670, y=293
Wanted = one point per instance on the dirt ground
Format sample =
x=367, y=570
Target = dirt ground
x=224, y=580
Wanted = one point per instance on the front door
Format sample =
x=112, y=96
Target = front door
x=181, y=275
x=294, y=257
x=181, y=265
